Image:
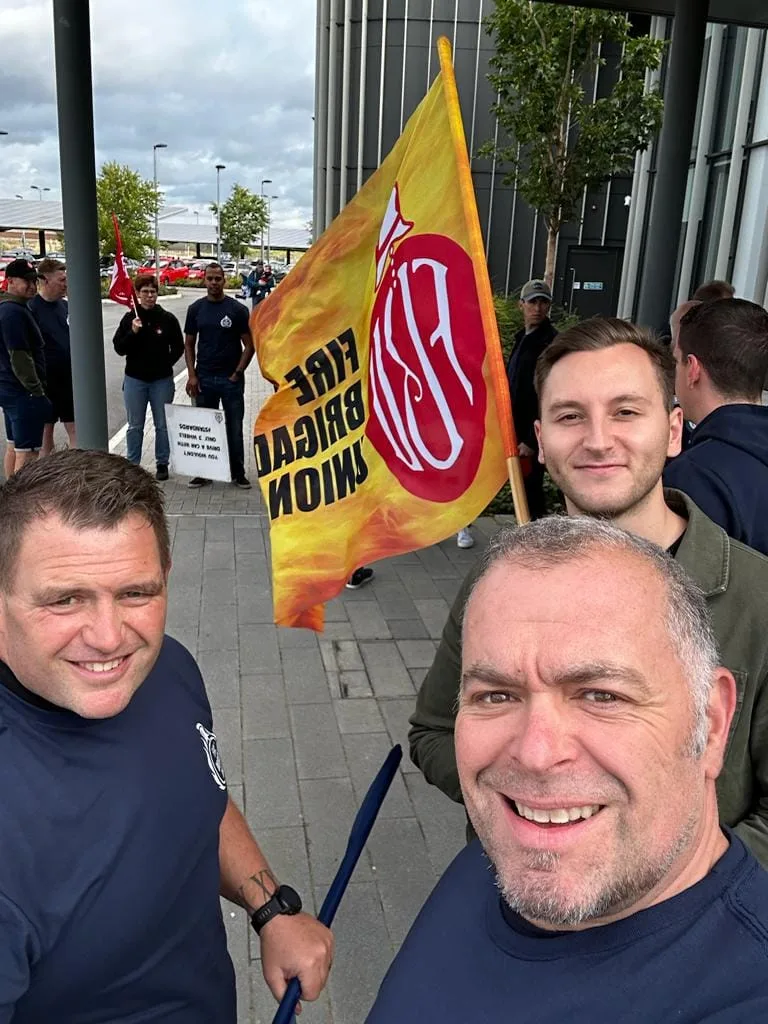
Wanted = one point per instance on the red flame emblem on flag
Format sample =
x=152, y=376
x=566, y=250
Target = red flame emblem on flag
x=426, y=394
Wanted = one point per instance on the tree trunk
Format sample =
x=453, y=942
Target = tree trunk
x=549, y=267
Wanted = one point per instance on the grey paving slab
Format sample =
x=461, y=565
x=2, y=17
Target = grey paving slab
x=252, y=567
x=218, y=628
x=264, y=1006
x=418, y=582
x=417, y=653
x=248, y=542
x=408, y=629
x=442, y=821
x=434, y=613
x=450, y=588
x=317, y=743
x=365, y=755
x=297, y=638
x=219, y=555
x=329, y=807
x=254, y=605
x=341, y=656
x=219, y=529
x=259, y=651
x=186, y=635
x=305, y=679
x=394, y=600
x=219, y=587
x=335, y=611
x=437, y=564
x=388, y=675
x=361, y=715
x=265, y=713
x=272, y=792
x=338, y=631
x=367, y=621
x=404, y=874
x=354, y=684
x=229, y=737
x=221, y=673
x=396, y=714
x=286, y=853
x=417, y=677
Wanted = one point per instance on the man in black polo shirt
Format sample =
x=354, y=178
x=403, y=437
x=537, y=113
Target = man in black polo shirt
x=218, y=327
x=51, y=311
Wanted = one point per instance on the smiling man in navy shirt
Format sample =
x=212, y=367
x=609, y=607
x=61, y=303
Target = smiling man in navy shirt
x=218, y=348
x=117, y=832
x=592, y=725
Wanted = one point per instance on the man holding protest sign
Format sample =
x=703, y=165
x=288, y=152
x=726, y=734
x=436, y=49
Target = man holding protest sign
x=218, y=348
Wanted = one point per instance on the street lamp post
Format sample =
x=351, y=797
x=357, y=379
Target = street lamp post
x=264, y=181
x=219, y=169
x=155, y=147
x=40, y=190
x=269, y=228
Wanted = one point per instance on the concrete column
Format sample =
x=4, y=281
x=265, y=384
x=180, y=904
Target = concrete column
x=74, y=98
x=680, y=95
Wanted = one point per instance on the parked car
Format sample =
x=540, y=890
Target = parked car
x=170, y=271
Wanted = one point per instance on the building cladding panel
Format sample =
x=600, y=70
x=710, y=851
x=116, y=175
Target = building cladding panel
x=384, y=50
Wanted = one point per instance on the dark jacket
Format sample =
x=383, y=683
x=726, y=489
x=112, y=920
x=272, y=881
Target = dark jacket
x=734, y=580
x=725, y=471
x=520, y=367
x=151, y=353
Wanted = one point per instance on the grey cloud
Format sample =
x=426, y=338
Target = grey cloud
x=230, y=82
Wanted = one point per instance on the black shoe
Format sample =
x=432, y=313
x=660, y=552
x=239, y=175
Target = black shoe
x=359, y=578
x=243, y=482
x=162, y=472
x=198, y=481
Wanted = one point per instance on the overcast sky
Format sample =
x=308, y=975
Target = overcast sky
x=219, y=81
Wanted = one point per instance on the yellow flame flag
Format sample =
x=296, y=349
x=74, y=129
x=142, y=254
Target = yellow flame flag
x=391, y=422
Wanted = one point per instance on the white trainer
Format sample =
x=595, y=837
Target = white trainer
x=464, y=538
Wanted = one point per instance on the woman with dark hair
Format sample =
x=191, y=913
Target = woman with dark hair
x=151, y=340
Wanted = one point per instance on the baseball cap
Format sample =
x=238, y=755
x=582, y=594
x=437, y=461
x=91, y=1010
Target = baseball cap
x=536, y=290
x=21, y=268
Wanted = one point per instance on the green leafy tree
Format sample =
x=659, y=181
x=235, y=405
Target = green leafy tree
x=558, y=141
x=125, y=193
x=244, y=216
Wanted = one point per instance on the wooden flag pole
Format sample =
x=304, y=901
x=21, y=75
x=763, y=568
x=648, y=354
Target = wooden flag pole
x=517, y=486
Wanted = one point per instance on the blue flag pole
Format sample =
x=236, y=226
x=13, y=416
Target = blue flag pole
x=358, y=836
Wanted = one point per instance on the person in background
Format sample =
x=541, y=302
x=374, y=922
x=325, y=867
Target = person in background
x=23, y=397
x=50, y=309
x=150, y=338
x=219, y=348
x=263, y=287
x=608, y=424
x=250, y=282
x=713, y=290
x=537, y=332
x=721, y=360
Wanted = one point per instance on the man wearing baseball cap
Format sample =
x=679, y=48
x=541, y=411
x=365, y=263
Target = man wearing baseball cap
x=530, y=342
x=22, y=368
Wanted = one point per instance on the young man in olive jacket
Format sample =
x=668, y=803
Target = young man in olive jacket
x=607, y=427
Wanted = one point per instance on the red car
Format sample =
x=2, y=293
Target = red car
x=197, y=270
x=170, y=270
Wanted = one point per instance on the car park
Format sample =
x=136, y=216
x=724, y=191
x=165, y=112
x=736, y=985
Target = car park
x=171, y=271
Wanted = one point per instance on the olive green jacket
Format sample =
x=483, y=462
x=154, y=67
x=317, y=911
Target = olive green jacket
x=734, y=579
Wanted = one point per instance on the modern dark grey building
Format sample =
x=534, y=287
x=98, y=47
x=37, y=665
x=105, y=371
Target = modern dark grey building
x=376, y=59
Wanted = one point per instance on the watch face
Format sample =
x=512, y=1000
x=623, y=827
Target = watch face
x=289, y=899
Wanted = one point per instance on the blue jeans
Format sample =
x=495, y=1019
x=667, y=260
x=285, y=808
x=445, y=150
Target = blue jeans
x=137, y=394
x=231, y=394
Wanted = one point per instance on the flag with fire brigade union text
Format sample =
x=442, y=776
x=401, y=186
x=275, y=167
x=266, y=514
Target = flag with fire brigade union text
x=385, y=433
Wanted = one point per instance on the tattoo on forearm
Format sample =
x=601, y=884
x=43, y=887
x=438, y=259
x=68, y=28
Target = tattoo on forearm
x=257, y=890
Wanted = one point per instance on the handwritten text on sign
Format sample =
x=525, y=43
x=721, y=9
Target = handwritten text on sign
x=198, y=442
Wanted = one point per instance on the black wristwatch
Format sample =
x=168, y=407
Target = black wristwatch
x=284, y=901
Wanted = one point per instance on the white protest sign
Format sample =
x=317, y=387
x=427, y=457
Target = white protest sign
x=198, y=442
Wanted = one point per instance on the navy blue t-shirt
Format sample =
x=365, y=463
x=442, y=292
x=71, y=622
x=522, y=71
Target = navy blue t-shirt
x=18, y=330
x=53, y=320
x=219, y=327
x=109, y=859
x=698, y=958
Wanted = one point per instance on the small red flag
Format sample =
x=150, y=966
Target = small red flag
x=121, y=288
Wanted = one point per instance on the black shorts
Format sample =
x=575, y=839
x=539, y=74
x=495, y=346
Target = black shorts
x=59, y=391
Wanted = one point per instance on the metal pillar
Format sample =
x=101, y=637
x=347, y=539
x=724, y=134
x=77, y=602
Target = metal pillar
x=157, y=145
x=74, y=99
x=219, y=169
x=40, y=241
x=680, y=95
